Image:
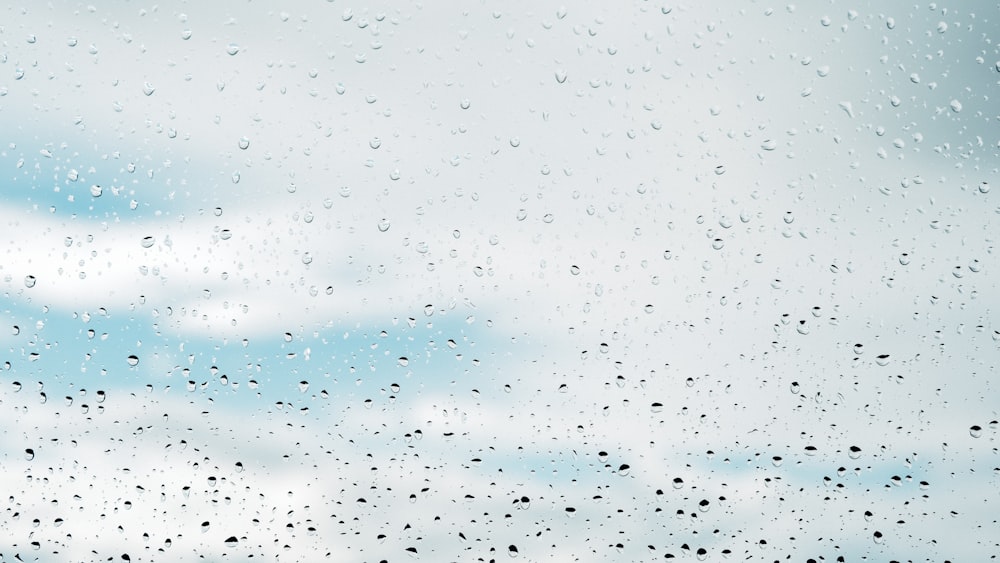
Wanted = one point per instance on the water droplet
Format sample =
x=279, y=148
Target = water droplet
x=132, y=360
x=956, y=106
x=383, y=225
x=231, y=541
x=147, y=242
x=186, y=34
x=148, y=89
x=561, y=76
x=854, y=452
x=375, y=142
x=515, y=142
x=403, y=361
x=244, y=143
x=975, y=431
x=96, y=190
x=984, y=187
x=29, y=454
x=465, y=104
x=882, y=360
x=233, y=48
x=29, y=281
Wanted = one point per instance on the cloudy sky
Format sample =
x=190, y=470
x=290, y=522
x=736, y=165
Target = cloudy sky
x=463, y=281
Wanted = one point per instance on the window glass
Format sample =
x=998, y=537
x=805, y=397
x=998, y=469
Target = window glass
x=473, y=281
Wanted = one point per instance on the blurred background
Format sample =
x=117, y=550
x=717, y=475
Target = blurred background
x=477, y=281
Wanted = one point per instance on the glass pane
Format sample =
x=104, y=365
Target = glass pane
x=478, y=281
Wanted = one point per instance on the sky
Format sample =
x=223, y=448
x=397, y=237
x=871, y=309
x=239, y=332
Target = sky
x=474, y=281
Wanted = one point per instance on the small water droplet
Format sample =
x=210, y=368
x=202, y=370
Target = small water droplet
x=975, y=431
x=148, y=89
x=96, y=190
x=132, y=360
x=233, y=48
x=147, y=242
x=29, y=281
x=244, y=143
x=383, y=225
